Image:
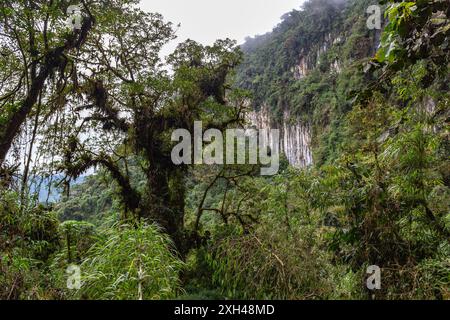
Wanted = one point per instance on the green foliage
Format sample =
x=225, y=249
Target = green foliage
x=378, y=194
x=90, y=201
x=328, y=41
x=394, y=156
x=131, y=262
x=283, y=256
x=78, y=237
x=28, y=240
x=416, y=30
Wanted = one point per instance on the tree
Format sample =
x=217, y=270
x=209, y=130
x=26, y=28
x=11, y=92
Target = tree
x=125, y=94
x=34, y=51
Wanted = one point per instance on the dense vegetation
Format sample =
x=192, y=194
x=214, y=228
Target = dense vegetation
x=99, y=103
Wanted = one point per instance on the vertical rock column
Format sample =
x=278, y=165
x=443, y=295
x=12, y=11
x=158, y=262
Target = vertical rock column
x=295, y=136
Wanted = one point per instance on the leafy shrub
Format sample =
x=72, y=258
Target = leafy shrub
x=130, y=262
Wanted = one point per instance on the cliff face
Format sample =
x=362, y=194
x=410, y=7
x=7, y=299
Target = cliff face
x=302, y=73
x=295, y=135
x=295, y=139
x=309, y=59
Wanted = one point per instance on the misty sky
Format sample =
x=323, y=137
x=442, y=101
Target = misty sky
x=208, y=20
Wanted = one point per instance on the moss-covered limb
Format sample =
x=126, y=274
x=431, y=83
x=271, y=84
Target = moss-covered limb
x=44, y=65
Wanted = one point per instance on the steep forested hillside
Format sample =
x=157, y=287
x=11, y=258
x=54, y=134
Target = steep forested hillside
x=311, y=67
x=364, y=183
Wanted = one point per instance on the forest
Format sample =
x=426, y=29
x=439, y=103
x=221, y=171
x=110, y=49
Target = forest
x=93, y=207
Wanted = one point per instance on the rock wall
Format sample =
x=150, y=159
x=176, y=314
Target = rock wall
x=308, y=59
x=295, y=136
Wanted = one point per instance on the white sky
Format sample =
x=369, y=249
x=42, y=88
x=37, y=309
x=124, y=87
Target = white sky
x=207, y=20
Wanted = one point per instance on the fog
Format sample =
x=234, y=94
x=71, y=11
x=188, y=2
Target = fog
x=208, y=20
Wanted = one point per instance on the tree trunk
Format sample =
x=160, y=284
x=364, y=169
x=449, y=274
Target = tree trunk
x=165, y=206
